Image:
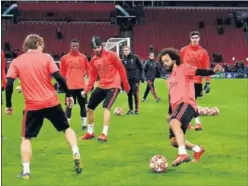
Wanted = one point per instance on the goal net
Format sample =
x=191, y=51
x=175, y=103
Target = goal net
x=116, y=44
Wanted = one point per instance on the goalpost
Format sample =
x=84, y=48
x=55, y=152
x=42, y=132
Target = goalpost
x=116, y=44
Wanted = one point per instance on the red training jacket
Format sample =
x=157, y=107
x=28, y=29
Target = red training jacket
x=197, y=57
x=110, y=70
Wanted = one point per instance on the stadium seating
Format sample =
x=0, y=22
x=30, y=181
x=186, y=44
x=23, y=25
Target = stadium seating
x=164, y=27
x=54, y=11
x=82, y=31
x=171, y=28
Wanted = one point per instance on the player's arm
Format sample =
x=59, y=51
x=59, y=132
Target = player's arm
x=93, y=74
x=192, y=71
x=206, y=65
x=86, y=64
x=169, y=110
x=9, y=91
x=11, y=76
x=209, y=72
x=54, y=71
x=182, y=52
x=122, y=60
x=140, y=66
x=63, y=66
x=121, y=69
x=158, y=70
x=3, y=76
x=61, y=81
x=145, y=69
x=204, y=72
x=146, y=66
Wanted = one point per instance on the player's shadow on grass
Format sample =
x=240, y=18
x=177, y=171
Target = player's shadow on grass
x=168, y=171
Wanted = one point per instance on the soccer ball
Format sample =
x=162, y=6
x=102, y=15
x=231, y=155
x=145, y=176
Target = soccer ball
x=118, y=111
x=205, y=111
x=200, y=111
x=216, y=110
x=19, y=89
x=213, y=112
x=209, y=111
x=158, y=164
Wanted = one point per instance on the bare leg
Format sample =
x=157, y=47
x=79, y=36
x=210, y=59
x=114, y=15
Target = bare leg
x=26, y=154
x=188, y=145
x=176, y=128
x=90, y=117
x=71, y=138
x=106, y=120
x=106, y=117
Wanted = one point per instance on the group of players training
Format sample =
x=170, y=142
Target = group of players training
x=35, y=70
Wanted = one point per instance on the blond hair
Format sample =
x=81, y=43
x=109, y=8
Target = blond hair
x=31, y=42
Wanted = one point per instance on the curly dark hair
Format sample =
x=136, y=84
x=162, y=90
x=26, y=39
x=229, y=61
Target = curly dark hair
x=173, y=53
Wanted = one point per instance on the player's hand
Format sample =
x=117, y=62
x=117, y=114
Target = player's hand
x=207, y=88
x=9, y=110
x=83, y=94
x=127, y=88
x=69, y=102
x=3, y=88
x=218, y=69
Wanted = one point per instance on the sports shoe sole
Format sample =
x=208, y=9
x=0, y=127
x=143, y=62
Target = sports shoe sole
x=78, y=168
x=179, y=163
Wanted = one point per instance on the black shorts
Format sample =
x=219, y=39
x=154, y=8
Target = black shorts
x=98, y=95
x=184, y=113
x=33, y=120
x=198, y=90
x=76, y=94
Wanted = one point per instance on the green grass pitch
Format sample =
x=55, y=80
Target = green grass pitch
x=133, y=140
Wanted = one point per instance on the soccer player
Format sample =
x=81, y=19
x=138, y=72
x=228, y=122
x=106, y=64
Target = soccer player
x=134, y=69
x=193, y=54
x=150, y=69
x=74, y=66
x=3, y=79
x=108, y=66
x=35, y=70
x=182, y=101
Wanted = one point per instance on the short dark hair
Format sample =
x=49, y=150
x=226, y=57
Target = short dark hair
x=173, y=53
x=95, y=42
x=193, y=33
x=126, y=46
x=151, y=53
x=74, y=41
